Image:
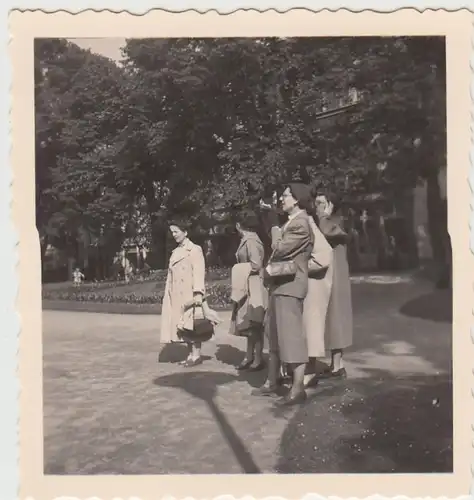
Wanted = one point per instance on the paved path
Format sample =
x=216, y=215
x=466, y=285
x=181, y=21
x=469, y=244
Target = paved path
x=112, y=408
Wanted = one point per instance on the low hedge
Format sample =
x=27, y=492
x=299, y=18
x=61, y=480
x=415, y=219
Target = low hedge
x=114, y=292
x=212, y=274
x=218, y=295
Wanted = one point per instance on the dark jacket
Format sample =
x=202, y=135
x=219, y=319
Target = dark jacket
x=293, y=241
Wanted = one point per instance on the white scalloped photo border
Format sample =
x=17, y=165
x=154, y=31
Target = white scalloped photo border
x=8, y=292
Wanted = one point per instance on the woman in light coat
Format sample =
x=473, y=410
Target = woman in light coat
x=185, y=284
x=339, y=324
x=320, y=274
x=248, y=291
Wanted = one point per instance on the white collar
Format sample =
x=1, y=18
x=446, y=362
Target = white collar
x=292, y=216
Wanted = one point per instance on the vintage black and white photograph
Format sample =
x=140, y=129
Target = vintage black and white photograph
x=245, y=259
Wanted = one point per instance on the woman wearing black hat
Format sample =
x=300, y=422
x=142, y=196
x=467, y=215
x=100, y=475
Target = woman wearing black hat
x=291, y=245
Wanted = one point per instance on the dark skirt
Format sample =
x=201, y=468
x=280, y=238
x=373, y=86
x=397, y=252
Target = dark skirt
x=284, y=329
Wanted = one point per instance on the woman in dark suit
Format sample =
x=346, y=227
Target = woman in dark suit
x=338, y=334
x=284, y=324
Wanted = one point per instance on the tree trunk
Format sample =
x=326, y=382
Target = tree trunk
x=43, y=248
x=435, y=223
x=70, y=267
x=438, y=228
x=409, y=226
x=159, y=232
x=159, y=235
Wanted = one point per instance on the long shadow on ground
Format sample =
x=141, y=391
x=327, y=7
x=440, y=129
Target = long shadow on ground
x=434, y=306
x=230, y=355
x=203, y=385
x=175, y=353
x=372, y=426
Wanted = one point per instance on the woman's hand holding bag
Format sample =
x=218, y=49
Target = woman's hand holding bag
x=204, y=320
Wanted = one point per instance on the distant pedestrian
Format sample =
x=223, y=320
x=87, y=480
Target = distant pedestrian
x=127, y=270
x=77, y=276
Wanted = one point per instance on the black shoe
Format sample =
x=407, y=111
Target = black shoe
x=266, y=391
x=257, y=368
x=339, y=374
x=288, y=400
x=245, y=365
x=193, y=362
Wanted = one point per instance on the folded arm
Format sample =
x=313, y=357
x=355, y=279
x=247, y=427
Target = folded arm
x=322, y=250
x=286, y=245
x=255, y=254
x=199, y=273
x=333, y=229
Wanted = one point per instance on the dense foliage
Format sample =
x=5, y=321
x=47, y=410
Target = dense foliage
x=189, y=126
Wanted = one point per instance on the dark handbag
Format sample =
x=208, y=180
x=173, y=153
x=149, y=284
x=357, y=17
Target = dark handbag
x=202, y=331
x=280, y=269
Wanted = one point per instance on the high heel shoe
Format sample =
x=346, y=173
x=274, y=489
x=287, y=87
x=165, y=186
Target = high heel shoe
x=184, y=362
x=339, y=374
x=289, y=400
x=245, y=365
x=256, y=368
x=193, y=362
x=271, y=391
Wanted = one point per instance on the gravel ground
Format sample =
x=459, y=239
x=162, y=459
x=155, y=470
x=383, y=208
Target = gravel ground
x=113, y=406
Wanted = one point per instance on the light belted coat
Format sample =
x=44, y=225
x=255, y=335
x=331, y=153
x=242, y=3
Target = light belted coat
x=248, y=290
x=339, y=323
x=186, y=276
x=316, y=301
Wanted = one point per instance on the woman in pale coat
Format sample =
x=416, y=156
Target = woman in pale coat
x=184, y=285
x=248, y=291
x=320, y=274
x=339, y=324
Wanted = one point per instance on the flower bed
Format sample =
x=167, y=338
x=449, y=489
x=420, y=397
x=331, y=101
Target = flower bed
x=218, y=273
x=150, y=293
x=158, y=276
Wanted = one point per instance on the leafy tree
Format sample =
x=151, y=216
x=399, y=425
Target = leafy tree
x=76, y=195
x=199, y=126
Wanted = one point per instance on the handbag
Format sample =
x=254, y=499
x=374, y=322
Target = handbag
x=202, y=331
x=280, y=269
x=316, y=270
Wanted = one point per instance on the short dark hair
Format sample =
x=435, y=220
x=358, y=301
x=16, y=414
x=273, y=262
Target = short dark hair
x=330, y=195
x=248, y=220
x=181, y=223
x=302, y=194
